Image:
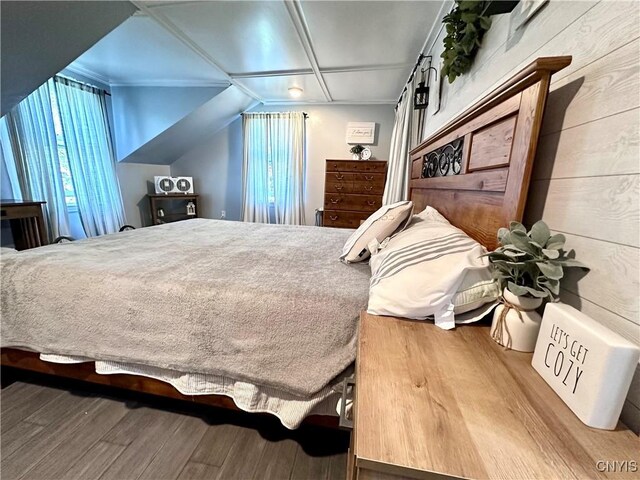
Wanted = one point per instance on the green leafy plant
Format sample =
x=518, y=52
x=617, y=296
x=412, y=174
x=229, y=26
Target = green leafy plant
x=466, y=24
x=357, y=149
x=530, y=263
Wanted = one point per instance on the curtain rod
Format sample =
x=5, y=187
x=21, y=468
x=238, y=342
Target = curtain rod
x=306, y=115
x=65, y=77
x=421, y=57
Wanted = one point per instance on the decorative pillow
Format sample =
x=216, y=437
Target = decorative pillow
x=432, y=215
x=477, y=288
x=381, y=224
x=421, y=272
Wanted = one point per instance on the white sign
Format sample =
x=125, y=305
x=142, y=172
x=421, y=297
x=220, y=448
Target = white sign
x=362, y=133
x=586, y=364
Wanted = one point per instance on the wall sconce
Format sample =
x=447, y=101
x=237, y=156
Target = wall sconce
x=421, y=95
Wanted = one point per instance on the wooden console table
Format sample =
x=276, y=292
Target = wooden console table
x=27, y=222
x=432, y=403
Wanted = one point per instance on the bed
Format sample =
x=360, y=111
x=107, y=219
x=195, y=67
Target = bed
x=268, y=315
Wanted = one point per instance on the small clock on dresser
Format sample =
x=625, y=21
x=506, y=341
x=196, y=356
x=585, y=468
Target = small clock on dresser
x=366, y=153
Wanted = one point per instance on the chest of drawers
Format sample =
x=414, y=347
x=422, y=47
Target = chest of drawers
x=352, y=191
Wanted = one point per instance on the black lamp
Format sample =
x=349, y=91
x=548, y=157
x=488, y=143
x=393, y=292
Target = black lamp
x=421, y=95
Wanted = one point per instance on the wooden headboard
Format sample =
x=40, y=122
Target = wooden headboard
x=476, y=169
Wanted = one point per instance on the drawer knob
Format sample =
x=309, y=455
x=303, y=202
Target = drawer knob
x=338, y=187
x=368, y=188
x=339, y=177
x=369, y=178
x=371, y=202
x=333, y=217
x=334, y=200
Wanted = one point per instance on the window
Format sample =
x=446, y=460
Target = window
x=63, y=156
x=65, y=171
x=273, y=167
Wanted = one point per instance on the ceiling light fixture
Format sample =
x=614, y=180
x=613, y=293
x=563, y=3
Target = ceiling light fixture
x=295, y=92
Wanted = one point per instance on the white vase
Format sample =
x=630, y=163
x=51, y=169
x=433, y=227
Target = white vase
x=355, y=156
x=518, y=328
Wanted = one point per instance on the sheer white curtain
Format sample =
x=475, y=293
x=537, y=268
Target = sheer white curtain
x=34, y=147
x=403, y=138
x=91, y=160
x=273, y=167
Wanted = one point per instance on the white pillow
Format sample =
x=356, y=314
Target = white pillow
x=477, y=288
x=432, y=215
x=417, y=273
x=381, y=224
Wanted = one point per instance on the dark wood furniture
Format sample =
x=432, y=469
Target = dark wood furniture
x=493, y=144
x=173, y=205
x=27, y=222
x=432, y=403
x=352, y=191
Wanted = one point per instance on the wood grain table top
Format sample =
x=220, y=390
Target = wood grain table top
x=455, y=403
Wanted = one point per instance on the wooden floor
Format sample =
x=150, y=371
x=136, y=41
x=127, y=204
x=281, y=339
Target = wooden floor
x=57, y=433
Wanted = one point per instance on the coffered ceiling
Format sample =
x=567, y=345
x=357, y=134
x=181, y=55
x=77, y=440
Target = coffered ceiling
x=336, y=51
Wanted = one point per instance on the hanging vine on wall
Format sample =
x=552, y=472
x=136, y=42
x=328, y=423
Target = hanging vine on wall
x=466, y=24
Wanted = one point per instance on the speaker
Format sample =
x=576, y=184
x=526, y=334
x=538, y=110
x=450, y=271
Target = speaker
x=173, y=184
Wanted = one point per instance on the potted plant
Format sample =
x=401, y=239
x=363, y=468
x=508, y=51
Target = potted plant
x=466, y=25
x=356, y=150
x=529, y=267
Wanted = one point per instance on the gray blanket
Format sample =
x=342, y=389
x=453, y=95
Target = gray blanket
x=268, y=304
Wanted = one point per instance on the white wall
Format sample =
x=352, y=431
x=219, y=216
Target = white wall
x=216, y=167
x=585, y=179
x=216, y=164
x=136, y=180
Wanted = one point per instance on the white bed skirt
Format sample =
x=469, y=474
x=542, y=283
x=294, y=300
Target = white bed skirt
x=289, y=409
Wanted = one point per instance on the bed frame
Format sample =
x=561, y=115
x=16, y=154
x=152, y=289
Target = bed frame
x=475, y=170
x=491, y=145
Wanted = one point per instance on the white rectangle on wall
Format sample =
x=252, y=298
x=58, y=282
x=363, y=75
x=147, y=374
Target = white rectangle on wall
x=362, y=133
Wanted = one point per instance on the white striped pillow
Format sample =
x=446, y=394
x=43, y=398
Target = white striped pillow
x=383, y=223
x=418, y=272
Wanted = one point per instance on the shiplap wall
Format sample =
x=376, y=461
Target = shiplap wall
x=585, y=181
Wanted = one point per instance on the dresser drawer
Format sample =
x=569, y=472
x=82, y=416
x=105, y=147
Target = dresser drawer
x=341, y=219
x=364, y=188
x=376, y=178
x=347, y=177
x=368, y=188
x=341, y=201
x=356, y=166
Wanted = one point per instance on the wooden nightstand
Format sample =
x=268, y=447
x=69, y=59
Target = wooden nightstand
x=173, y=207
x=432, y=403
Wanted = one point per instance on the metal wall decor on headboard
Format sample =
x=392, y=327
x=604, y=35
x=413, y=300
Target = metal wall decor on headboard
x=443, y=161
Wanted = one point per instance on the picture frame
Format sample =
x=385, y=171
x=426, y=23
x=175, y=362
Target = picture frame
x=362, y=133
x=525, y=11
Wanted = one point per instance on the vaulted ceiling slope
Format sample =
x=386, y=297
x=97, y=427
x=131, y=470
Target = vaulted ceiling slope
x=336, y=51
x=38, y=39
x=209, y=118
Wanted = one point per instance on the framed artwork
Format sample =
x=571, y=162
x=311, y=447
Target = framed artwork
x=525, y=11
x=362, y=133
